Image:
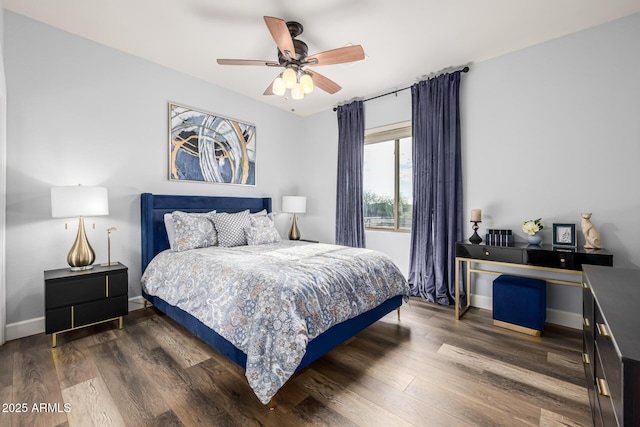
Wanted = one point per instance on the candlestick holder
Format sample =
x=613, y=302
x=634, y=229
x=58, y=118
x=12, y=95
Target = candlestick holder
x=475, y=238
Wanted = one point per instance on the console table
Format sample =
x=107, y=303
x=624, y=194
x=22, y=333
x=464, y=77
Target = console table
x=533, y=258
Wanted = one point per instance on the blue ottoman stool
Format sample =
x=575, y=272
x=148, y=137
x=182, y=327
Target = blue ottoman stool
x=520, y=304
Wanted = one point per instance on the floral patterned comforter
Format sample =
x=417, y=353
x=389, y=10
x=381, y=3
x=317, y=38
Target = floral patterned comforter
x=271, y=300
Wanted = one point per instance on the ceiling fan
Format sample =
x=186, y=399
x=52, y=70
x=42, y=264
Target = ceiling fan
x=292, y=55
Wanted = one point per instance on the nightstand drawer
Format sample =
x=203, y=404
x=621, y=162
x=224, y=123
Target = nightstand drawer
x=61, y=319
x=60, y=293
x=97, y=311
x=58, y=319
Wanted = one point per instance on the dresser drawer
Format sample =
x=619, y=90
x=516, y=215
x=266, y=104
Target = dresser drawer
x=610, y=364
x=490, y=253
x=605, y=402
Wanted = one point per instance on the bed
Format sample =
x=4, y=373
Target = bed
x=212, y=314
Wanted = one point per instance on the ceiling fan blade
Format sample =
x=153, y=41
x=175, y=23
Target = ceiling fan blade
x=247, y=62
x=340, y=55
x=269, y=89
x=280, y=33
x=324, y=83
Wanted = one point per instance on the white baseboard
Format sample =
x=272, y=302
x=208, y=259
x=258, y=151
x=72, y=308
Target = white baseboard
x=22, y=329
x=25, y=328
x=557, y=317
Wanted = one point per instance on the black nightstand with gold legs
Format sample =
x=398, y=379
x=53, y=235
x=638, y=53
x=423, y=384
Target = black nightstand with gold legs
x=77, y=299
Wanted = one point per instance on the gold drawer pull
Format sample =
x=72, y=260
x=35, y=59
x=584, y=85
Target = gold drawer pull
x=586, y=323
x=603, y=331
x=486, y=253
x=584, y=285
x=585, y=359
x=562, y=260
x=603, y=388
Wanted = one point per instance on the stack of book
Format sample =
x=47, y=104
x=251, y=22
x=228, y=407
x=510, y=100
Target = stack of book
x=496, y=237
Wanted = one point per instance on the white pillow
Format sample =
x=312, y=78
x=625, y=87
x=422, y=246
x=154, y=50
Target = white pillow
x=171, y=228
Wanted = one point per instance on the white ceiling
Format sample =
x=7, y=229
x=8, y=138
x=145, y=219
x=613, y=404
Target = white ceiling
x=404, y=40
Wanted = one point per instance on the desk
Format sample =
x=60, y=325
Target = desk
x=531, y=258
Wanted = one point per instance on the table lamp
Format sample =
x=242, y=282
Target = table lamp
x=294, y=205
x=79, y=201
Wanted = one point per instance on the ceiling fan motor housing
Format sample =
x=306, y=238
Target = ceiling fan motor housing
x=301, y=52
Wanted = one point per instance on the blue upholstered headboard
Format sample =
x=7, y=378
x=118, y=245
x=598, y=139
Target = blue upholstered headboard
x=154, y=206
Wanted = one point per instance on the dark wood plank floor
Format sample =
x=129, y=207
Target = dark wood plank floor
x=424, y=370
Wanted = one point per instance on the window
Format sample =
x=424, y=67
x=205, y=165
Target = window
x=387, y=178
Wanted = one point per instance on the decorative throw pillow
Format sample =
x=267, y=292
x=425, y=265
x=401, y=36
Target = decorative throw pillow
x=193, y=230
x=262, y=235
x=230, y=228
x=261, y=213
x=261, y=220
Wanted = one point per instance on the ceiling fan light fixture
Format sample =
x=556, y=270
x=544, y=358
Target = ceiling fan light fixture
x=278, y=87
x=306, y=83
x=289, y=78
x=297, y=93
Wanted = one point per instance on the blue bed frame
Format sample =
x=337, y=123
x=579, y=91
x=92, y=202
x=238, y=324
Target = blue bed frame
x=154, y=240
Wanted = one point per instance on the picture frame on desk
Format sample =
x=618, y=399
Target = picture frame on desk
x=564, y=235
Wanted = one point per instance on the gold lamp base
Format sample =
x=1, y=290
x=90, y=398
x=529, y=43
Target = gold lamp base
x=294, y=233
x=81, y=255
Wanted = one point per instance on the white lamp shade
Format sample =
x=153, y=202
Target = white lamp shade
x=294, y=204
x=74, y=201
x=278, y=87
x=297, y=92
x=289, y=78
x=306, y=83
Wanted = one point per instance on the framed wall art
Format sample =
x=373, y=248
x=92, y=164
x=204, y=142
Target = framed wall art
x=564, y=235
x=210, y=148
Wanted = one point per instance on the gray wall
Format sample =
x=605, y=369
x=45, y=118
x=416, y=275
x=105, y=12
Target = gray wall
x=549, y=131
x=80, y=112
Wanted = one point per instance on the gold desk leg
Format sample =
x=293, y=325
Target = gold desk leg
x=54, y=340
x=121, y=321
x=457, y=309
x=468, y=287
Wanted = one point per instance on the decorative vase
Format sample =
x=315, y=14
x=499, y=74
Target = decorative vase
x=536, y=239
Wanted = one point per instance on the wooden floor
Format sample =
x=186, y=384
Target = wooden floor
x=425, y=370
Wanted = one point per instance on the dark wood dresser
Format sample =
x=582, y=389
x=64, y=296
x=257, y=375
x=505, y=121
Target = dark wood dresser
x=611, y=340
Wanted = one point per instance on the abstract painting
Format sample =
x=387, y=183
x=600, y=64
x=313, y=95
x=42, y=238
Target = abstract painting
x=210, y=148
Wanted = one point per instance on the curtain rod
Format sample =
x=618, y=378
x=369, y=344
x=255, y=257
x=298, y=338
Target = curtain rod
x=464, y=69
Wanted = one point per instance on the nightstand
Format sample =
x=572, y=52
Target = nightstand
x=77, y=299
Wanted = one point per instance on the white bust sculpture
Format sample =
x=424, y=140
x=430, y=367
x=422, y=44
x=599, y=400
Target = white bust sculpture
x=591, y=235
